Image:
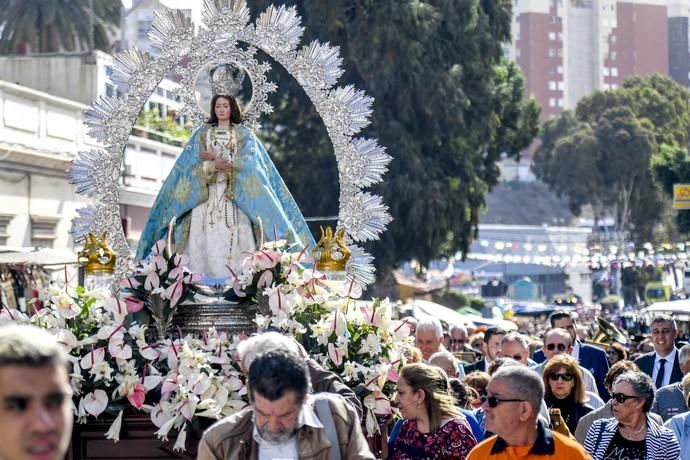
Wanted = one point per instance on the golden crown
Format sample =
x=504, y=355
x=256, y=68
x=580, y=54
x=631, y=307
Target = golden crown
x=331, y=251
x=97, y=256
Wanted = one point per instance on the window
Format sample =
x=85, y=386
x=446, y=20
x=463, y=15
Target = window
x=552, y=35
x=5, y=220
x=552, y=52
x=613, y=55
x=614, y=71
x=614, y=86
x=560, y=69
x=43, y=231
x=552, y=85
x=560, y=86
x=612, y=39
x=552, y=102
x=560, y=102
x=560, y=36
x=552, y=69
x=606, y=72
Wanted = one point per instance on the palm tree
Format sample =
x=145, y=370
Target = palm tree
x=56, y=25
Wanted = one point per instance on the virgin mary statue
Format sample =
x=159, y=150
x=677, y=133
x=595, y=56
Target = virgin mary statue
x=222, y=190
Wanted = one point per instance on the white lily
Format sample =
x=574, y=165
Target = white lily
x=114, y=431
x=181, y=440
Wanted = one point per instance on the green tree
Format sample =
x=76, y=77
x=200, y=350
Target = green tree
x=601, y=155
x=447, y=105
x=56, y=25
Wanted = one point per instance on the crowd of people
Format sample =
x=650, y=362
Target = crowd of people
x=565, y=400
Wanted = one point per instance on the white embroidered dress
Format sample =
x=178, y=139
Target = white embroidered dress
x=220, y=234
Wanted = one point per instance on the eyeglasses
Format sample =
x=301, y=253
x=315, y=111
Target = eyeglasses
x=564, y=377
x=516, y=357
x=552, y=346
x=621, y=397
x=458, y=341
x=495, y=400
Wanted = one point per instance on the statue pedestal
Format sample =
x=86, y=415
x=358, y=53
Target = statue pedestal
x=137, y=441
x=197, y=317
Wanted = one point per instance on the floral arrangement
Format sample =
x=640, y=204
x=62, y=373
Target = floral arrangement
x=114, y=369
x=357, y=340
x=118, y=367
x=159, y=283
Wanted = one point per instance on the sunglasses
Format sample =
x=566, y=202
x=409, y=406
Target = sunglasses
x=553, y=346
x=495, y=400
x=621, y=398
x=564, y=377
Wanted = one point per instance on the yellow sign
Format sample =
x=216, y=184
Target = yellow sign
x=681, y=196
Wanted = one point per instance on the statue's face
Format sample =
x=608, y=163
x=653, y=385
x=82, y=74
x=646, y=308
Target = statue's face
x=222, y=109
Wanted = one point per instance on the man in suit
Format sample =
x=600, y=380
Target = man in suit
x=669, y=400
x=491, y=348
x=590, y=357
x=663, y=364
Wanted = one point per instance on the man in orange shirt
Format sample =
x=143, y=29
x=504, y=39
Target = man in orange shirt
x=511, y=404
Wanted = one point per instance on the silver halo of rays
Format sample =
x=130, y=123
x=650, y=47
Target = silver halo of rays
x=277, y=31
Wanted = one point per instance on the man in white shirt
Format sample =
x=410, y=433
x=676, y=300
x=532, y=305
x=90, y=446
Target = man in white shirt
x=662, y=365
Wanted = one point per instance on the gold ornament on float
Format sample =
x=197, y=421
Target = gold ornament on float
x=331, y=251
x=97, y=255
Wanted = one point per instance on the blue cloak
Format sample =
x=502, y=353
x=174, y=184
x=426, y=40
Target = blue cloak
x=258, y=189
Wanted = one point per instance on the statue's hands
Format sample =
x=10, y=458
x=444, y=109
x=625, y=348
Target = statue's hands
x=207, y=156
x=222, y=165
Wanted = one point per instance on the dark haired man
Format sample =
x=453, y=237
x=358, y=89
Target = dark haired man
x=491, y=348
x=590, y=357
x=283, y=421
x=35, y=395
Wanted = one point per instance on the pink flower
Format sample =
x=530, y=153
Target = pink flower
x=129, y=283
x=265, y=279
x=336, y=354
x=152, y=281
x=119, y=349
x=136, y=395
x=181, y=260
x=158, y=247
x=95, y=402
x=133, y=305
x=267, y=259
x=94, y=357
x=174, y=292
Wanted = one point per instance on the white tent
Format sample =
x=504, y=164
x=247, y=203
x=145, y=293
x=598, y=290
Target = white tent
x=678, y=309
x=422, y=308
x=32, y=256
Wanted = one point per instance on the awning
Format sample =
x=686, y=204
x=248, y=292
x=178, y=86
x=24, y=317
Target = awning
x=422, y=308
x=32, y=256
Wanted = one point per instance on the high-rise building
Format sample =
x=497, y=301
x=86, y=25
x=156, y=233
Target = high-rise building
x=568, y=49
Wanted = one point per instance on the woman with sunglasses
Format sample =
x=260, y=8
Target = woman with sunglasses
x=565, y=389
x=631, y=434
x=432, y=428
